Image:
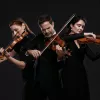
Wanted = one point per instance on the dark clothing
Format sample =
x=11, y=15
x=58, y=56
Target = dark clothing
x=74, y=76
x=20, y=49
x=43, y=80
x=28, y=71
x=47, y=81
x=71, y=37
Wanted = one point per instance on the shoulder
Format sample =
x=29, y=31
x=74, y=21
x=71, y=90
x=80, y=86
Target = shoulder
x=63, y=34
x=31, y=35
x=38, y=37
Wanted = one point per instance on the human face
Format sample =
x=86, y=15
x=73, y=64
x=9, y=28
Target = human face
x=47, y=29
x=78, y=27
x=17, y=30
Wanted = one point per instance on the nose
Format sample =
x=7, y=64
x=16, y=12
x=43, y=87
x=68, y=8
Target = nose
x=46, y=31
x=81, y=28
x=14, y=33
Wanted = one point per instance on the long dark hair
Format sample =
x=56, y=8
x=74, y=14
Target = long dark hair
x=73, y=21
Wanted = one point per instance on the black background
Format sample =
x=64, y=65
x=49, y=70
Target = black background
x=10, y=76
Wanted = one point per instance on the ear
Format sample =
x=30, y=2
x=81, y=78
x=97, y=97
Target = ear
x=53, y=24
x=23, y=25
x=71, y=26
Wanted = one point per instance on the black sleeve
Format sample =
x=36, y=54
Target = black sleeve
x=16, y=48
x=91, y=55
x=72, y=37
x=32, y=44
x=23, y=44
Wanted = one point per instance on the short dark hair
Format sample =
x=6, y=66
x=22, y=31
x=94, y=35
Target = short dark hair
x=43, y=18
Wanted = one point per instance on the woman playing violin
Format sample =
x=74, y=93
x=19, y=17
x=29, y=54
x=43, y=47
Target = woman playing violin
x=21, y=35
x=47, y=76
x=74, y=76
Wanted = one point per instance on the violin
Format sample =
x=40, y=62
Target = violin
x=57, y=41
x=9, y=48
x=87, y=40
x=56, y=37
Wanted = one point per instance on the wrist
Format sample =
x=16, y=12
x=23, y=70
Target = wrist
x=26, y=53
x=59, y=57
x=6, y=54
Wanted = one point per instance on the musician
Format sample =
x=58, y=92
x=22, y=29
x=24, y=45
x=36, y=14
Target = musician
x=74, y=75
x=21, y=31
x=47, y=82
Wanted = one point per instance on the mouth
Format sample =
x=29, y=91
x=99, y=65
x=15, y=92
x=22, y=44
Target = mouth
x=47, y=34
x=80, y=31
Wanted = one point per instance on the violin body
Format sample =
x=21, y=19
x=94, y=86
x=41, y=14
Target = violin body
x=56, y=41
x=9, y=48
x=87, y=40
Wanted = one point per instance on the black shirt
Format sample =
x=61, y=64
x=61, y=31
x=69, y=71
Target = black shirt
x=20, y=49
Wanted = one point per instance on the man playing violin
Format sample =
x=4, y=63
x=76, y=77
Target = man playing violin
x=47, y=82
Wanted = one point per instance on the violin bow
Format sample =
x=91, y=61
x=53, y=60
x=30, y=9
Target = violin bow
x=59, y=32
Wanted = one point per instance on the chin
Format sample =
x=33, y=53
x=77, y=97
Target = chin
x=50, y=35
x=47, y=36
x=78, y=33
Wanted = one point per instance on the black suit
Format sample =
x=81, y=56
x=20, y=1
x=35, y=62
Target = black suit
x=47, y=81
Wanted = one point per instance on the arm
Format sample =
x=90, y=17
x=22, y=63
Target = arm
x=33, y=48
x=34, y=53
x=31, y=44
x=12, y=53
x=91, y=54
x=20, y=64
x=9, y=57
x=72, y=37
